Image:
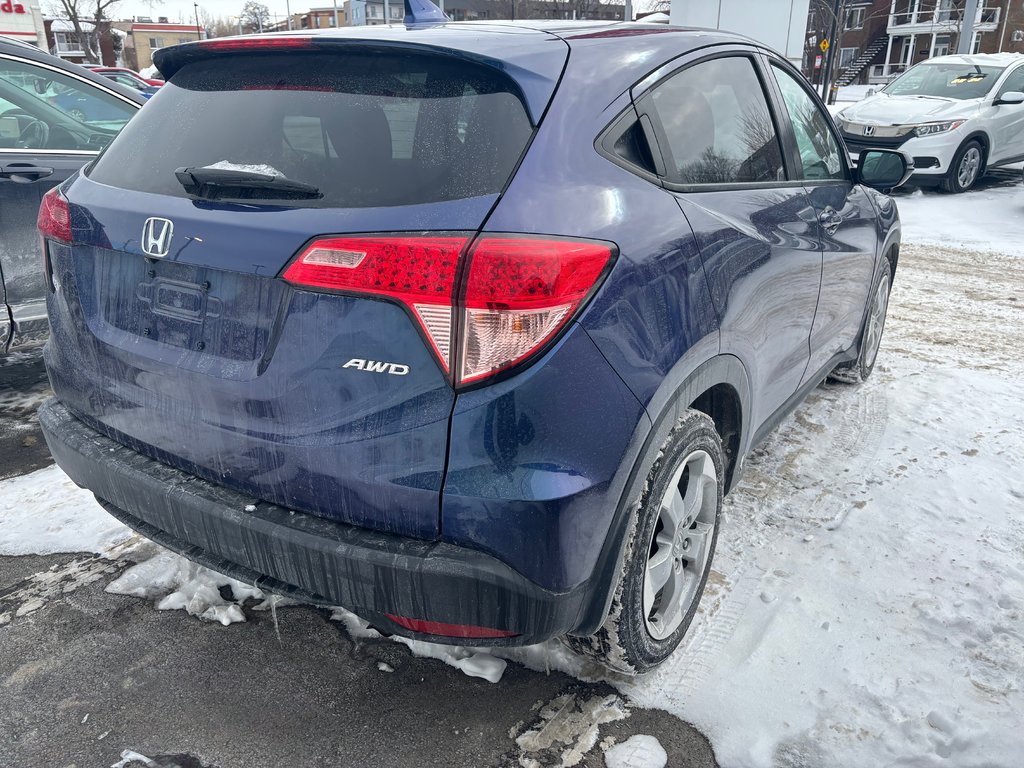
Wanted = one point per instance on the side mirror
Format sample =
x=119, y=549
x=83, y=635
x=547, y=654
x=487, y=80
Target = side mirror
x=1010, y=97
x=883, y=169
x=41, y=85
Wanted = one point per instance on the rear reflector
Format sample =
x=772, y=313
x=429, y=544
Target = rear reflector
x=449, y=630
x=519, y=291
x=54, y=220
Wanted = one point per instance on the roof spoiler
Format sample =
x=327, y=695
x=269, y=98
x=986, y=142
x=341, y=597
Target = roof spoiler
x=421, y=12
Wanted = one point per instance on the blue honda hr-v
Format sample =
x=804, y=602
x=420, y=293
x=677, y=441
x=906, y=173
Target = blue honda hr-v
x=465, y=327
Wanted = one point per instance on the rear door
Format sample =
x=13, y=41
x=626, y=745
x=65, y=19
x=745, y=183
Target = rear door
x=754, y=225
x=41, y=145
x=846, y=221
x=293, y=347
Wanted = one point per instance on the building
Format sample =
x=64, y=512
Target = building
x=144, y=36
x=105, y=43
x=22, y=20
x=878, y=39
x=371, y=12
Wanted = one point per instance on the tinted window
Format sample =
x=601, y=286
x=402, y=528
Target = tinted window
x=717, y=125
x=366, y=130
x=44, y=109
x=819, y=150
x=1015, y=82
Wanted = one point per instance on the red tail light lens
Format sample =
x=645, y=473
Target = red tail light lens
x=54, y=221
x=519, y=294
x=417, y=271
x=519, y=291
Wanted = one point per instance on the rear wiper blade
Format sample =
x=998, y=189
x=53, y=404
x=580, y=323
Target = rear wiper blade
x=215, y=183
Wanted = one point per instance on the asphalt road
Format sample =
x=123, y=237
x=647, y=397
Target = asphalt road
x=89, y=675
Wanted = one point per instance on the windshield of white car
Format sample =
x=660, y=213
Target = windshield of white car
x=947, y=81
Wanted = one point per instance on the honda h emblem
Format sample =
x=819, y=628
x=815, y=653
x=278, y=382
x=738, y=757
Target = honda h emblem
x=156, y=237
x=869, y=130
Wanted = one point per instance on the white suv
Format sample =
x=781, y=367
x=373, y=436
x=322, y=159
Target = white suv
x=955, y=115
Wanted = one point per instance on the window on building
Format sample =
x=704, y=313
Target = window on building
x=156, y=42
x=854, y=19
x=941, y=46
x=846, y=57
x=716, y=124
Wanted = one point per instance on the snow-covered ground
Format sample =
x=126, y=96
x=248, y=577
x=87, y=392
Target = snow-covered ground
x=866, y=607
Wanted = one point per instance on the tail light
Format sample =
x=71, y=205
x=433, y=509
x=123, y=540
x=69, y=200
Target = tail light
x=54, y=221
x=511, y=297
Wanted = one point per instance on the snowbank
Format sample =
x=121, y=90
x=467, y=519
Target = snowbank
x=44, y=512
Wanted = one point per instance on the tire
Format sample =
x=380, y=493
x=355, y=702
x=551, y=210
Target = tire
x=685, y=484
x=966, y=168
x=856, y=371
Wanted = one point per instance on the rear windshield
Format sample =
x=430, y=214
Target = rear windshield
x=365, y=130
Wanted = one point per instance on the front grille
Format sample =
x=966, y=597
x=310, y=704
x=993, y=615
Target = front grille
x=858, y=143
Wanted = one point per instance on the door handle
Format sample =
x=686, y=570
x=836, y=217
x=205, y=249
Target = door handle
x=24, y=173
x=830, y=220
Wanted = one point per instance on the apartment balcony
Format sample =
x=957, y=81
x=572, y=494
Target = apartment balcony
x=927, y=21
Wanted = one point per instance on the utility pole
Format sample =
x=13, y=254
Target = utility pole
x=387, y=12
x=335, y=13
x=826, y=80
x=199, y=29
x=965, y=43
x=288, y=10
x=627, y=12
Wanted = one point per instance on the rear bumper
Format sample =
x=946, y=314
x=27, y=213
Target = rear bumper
x=307, y=557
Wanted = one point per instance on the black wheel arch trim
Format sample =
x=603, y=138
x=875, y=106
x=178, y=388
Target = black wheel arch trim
x=718, y=370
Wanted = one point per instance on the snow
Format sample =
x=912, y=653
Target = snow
x=227, y=165
x=44, y=512
x=175, y=583
x=867, y=600
x=637, y=752
x=989, y=218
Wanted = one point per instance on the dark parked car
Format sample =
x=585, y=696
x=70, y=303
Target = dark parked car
x=129, y=80
x=43, y=141
x=465, y=327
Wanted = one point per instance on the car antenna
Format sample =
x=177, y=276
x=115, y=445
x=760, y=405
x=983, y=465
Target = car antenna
x=421, y=12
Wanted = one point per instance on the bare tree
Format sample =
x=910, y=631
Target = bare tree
x=255, y=15
x=91, y=12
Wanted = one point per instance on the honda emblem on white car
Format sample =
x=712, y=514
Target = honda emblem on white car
x=869, y=130
x=156, y=237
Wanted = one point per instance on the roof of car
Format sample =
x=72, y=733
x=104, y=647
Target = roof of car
x=979, y=59
x=32, y=53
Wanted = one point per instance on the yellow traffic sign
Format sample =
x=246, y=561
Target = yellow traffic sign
x=823, y=45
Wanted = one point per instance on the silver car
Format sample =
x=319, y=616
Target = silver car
x=955, y=115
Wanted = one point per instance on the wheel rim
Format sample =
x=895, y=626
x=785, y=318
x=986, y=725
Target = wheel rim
x=970, y=164
x=876, y=321
x=680, y=545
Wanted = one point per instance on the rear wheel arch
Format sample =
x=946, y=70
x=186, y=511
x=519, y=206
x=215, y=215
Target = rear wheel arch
x=718, y=387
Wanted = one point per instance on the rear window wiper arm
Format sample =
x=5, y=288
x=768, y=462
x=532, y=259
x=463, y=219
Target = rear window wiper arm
x=214, y=183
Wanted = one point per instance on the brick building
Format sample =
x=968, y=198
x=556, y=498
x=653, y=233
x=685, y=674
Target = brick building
x=878, y=39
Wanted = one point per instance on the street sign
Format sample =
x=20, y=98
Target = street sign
x=817, y=62
x=823, y=45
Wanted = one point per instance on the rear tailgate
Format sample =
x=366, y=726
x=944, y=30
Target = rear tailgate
x=173, y=328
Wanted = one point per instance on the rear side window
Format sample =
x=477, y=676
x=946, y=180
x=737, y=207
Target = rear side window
x=366, y=130
x=716, y=125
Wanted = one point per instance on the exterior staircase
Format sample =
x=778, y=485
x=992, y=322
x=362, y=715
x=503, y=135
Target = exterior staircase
x=866, y=56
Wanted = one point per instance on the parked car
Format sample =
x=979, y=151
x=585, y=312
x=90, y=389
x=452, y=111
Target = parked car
x=129, y=80
x=125, y=71
x=956, y=116
x=54, y=118
x=454, y=328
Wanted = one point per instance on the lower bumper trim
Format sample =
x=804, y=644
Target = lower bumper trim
x=309, y=558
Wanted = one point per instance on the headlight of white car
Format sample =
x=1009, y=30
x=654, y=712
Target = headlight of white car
x=927, y=129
